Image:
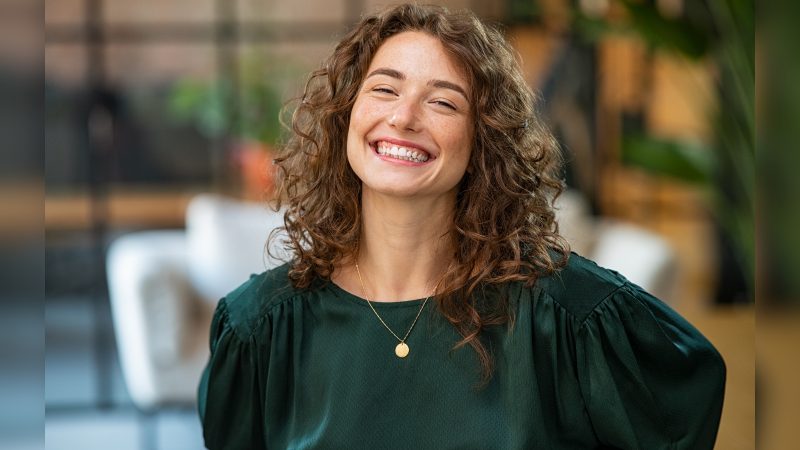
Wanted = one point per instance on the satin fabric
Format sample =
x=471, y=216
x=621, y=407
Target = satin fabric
x=591, y=362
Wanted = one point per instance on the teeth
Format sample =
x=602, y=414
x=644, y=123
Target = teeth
x=403, y=153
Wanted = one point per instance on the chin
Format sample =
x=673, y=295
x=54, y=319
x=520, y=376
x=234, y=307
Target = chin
x=394, y=190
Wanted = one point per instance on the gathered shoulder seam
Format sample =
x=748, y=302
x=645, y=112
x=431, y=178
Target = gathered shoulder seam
x=265, y=310
x=262, y=317
x=600, y=304
x=582, y=321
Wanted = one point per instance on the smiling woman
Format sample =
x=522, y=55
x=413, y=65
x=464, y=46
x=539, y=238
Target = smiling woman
x=418, y=174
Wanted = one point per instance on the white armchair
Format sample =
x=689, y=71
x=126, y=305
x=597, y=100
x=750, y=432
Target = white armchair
x=642, y=256
x=164, y=284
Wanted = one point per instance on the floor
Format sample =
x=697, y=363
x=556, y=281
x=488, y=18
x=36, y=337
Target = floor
x=127, y=429
x=76, y=416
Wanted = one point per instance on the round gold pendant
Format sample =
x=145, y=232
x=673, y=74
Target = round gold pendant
x=401, y=350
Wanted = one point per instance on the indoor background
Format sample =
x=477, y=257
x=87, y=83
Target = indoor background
x=150, y=106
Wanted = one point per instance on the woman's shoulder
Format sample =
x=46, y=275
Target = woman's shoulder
x=247, y=307
x=647, y=377
x=581, y=285
x=598, y=298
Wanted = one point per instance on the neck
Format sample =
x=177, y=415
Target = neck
x=405, y=245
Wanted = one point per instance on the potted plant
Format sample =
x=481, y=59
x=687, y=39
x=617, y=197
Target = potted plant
x=244, y=112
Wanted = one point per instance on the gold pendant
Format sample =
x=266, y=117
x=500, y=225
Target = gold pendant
x=401, y=350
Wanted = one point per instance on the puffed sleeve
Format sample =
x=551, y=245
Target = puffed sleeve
x=649, y=379
x=229, y=396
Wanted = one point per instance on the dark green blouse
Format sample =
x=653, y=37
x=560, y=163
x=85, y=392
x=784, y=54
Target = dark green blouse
x=592, y=361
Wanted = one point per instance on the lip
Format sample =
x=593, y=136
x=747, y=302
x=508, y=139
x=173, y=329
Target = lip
x=373, y=144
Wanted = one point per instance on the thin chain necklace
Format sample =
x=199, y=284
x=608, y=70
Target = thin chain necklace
x=401, y=350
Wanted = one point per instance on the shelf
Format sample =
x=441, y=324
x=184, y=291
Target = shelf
x=134, y=208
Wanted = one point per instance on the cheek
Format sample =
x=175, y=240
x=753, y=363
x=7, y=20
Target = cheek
x=364, y=114
x=460, y=139
x=356, y=133
x=355, y=128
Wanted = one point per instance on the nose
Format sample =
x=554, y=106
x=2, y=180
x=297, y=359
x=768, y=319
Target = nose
x=405, y=116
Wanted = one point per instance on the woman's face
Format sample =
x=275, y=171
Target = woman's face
x=410, y=129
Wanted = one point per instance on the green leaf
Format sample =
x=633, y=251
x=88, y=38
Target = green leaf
x=680, y=160
x=662, y=32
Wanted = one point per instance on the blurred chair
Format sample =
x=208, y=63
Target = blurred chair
x=164, y=284
x=643, y=257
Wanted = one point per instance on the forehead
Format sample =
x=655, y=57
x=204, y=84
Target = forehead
x=420, y=56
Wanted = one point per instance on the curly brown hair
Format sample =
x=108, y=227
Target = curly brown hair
x=504, y=225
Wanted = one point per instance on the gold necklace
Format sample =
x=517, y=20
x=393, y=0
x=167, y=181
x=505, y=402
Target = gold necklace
x=401, y=350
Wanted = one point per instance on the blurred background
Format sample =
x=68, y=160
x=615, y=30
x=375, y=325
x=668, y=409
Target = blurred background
x=162, y=118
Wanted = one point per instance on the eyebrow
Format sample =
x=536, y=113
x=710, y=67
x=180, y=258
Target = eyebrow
x=435, y=83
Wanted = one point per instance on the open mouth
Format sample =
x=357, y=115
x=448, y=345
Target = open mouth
x=400, y=152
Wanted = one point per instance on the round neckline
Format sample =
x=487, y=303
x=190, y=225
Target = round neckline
x=341, y=292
